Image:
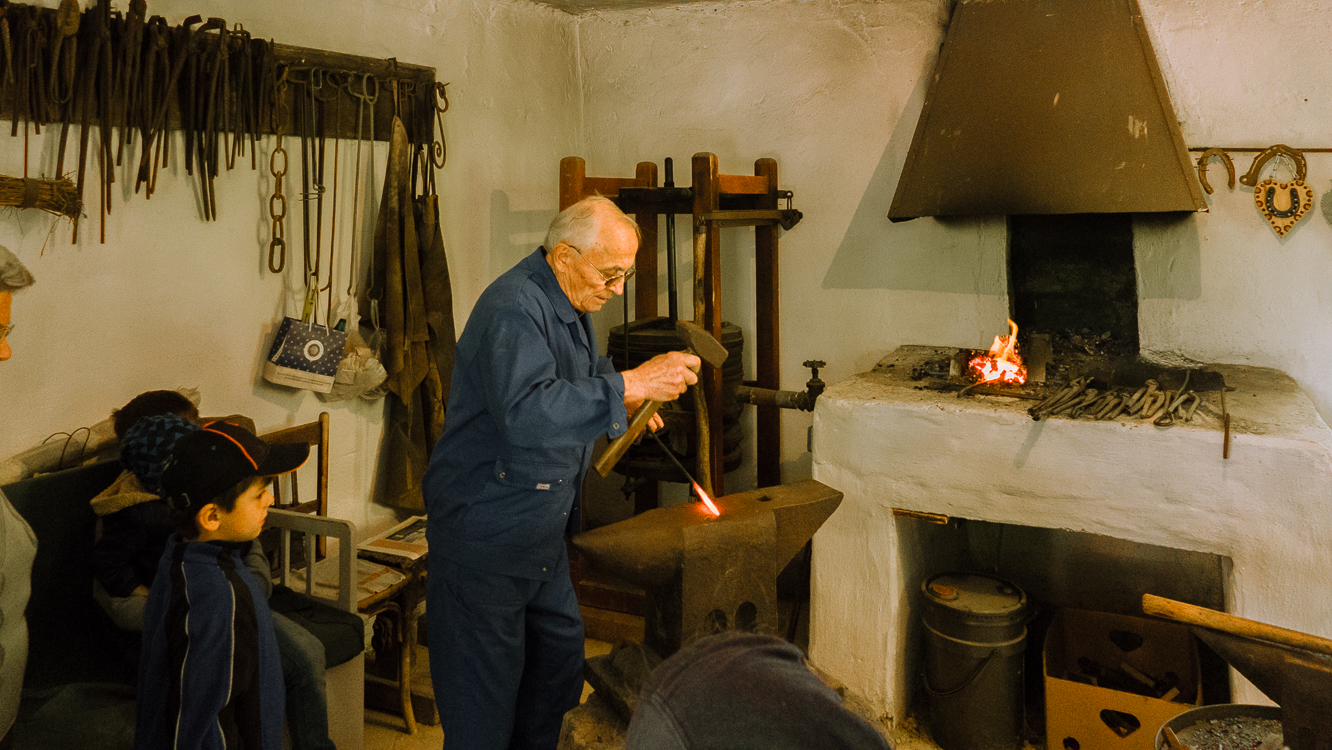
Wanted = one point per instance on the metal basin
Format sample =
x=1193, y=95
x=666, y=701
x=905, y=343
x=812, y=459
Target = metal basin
x=1208, y=713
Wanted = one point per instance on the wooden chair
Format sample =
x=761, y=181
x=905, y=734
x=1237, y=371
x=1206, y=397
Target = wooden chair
x=376, y=585
x=315, y=434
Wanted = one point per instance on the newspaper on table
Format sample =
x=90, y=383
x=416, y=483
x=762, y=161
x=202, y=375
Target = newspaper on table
x=371, y=578
x=406, y=541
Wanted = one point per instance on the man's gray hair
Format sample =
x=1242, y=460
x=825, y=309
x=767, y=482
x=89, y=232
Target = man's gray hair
x=13, y=274
x=580, y=225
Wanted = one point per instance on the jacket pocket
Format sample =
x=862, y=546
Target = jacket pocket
x=533, y=475
x=523, y=503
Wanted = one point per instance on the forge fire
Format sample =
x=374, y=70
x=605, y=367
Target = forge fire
x=1002, y=364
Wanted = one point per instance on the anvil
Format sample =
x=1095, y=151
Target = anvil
x=1294, y=669
x=704, y=574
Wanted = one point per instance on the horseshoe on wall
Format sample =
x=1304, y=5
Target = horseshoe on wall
x=1253, y=175
x=1293, y=209
x=1225, y=159
x=1265, y=191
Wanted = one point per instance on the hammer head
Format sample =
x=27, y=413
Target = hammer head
x=700, y=342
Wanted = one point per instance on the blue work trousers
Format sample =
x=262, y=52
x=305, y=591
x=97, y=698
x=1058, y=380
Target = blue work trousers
x=506, y=656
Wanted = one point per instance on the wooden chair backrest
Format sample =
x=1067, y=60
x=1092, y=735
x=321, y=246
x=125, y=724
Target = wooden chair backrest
x=286, y=488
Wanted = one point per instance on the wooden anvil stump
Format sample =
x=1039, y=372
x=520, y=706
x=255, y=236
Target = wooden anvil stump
x=703, y=574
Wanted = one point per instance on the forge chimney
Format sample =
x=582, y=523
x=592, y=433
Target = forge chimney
x=1046, y=107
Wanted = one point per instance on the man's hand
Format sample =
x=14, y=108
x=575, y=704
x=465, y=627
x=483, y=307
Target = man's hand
x=662, y=378
x=656, y=422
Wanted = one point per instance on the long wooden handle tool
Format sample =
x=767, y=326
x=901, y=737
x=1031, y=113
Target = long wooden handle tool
x=619, y=445
x=1227, y=623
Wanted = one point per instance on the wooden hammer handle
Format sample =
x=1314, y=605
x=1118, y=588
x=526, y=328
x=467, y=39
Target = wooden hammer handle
x=1210, y=618
x=619, y=445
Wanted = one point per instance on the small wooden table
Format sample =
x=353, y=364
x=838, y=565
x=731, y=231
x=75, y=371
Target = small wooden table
x=400, y=602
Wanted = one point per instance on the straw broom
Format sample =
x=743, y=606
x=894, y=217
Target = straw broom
x=56, y=196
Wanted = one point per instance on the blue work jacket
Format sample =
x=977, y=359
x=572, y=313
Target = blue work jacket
x=530, y=394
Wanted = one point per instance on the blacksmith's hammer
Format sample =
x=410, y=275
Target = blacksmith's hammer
x=697, y=341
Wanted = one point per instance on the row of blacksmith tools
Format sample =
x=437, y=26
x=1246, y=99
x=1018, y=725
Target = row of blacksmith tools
x=122, y=72
x=130, y=72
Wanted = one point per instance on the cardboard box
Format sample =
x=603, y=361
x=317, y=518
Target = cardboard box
x=1080, y=716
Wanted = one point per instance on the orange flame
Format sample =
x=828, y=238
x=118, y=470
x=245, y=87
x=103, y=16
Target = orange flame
x=1002, y=363
x=707, y=501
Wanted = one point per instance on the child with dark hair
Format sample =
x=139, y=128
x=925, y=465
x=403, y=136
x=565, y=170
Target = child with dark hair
x=136, y=524
x=151, y=404
x=210, y=674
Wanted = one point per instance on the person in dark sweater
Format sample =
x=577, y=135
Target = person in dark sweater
x=742, y=691
x=210, y=675
x=135, y=522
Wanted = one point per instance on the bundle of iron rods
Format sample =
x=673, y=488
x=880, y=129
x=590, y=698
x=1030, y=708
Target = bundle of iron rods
x=1149, y=402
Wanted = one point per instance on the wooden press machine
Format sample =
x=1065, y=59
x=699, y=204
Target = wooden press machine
x=716, y=201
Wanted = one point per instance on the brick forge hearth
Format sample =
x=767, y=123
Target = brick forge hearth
x=887, y=445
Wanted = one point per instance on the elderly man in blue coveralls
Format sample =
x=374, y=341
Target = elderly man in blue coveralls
x=530, y=393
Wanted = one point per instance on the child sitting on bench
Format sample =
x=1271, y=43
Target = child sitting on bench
x=210, y=674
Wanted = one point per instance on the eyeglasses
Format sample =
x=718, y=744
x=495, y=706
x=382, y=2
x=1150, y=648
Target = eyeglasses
x=610, y=280
x=5, y=331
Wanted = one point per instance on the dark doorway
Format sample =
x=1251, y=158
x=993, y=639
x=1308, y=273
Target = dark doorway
x=1072, y=276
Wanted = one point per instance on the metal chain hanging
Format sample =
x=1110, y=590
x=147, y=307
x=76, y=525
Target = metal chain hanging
x=277, y=210
x=277, y=203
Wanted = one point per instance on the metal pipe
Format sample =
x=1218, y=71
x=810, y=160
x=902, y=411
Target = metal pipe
x=769, y=397
x=802, y=400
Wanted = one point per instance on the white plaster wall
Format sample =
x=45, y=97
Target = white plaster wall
x=170, y=300
x=1221, y=286
x=832, y=92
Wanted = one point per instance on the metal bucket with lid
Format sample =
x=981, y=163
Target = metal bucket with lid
x=975, y=635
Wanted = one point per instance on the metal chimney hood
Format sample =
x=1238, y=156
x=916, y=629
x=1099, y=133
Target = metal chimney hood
x=1046, y=107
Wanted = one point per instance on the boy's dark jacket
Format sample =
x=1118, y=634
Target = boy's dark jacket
x=209, y=675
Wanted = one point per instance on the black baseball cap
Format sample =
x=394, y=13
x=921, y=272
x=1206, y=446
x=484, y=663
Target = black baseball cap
x=209, y=462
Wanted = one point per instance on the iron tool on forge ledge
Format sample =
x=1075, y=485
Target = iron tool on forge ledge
x=1083, y=381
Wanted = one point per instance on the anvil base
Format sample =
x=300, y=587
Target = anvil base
x=618, y=677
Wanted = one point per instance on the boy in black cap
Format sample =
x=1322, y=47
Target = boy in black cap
x=210, y=675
